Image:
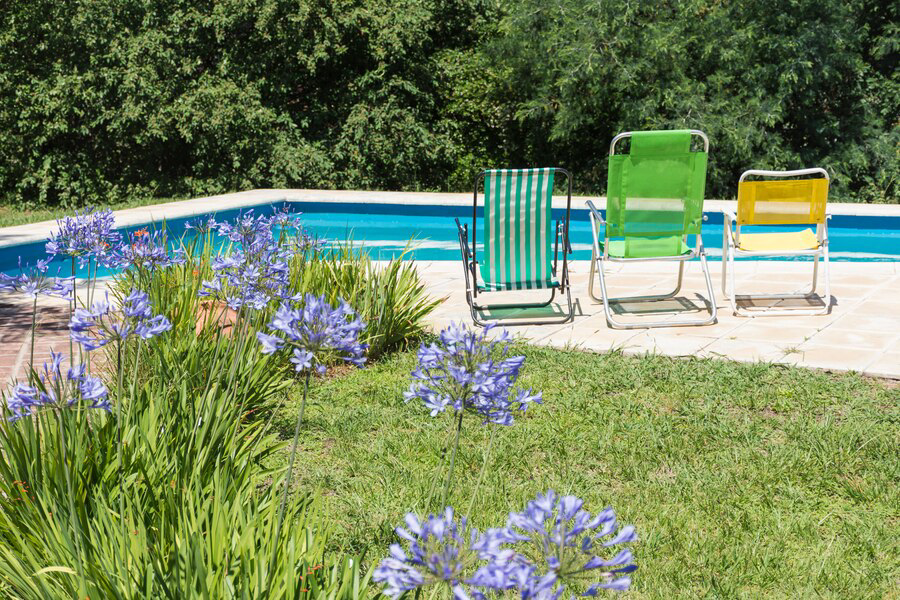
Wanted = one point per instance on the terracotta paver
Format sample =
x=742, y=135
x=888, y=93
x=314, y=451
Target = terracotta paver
x=52, y=333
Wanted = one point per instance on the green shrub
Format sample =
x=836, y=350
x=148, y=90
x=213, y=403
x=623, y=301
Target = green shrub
x=119, y=98
x=390, y=298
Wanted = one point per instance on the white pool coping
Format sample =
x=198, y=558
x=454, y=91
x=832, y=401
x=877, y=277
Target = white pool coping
x=33, y=232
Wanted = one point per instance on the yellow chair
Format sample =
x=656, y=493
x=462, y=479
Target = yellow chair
x=778, y=200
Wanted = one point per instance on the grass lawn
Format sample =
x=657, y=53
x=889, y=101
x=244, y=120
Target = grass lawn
x=11, y=215
x=743, y=480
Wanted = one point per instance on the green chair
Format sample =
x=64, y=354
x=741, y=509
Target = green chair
x=521, y=248
x=654, y=202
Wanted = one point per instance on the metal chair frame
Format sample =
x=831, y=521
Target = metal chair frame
x=599, y=257
x=470, y=265
x=731, y=250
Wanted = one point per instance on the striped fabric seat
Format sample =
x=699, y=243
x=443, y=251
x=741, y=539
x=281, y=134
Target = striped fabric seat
x=518, y=230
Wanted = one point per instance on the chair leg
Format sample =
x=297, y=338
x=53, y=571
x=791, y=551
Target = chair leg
x=615, y=324
x=568, y=317
x=594, y=258
x=732, y=295
x=594, y=269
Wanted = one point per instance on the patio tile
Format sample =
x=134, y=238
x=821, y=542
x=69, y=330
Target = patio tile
x=864, y=322
x=671, y=345
x=859, y=307
x=746, y=351
x=850, y=338
x=886, y=365
x=835, y=357
x=877, y=308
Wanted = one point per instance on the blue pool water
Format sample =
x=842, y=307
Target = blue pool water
x=386, y=229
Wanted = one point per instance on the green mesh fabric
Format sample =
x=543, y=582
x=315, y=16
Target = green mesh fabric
x=655, y=194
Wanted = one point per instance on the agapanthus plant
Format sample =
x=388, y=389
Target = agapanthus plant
x=558, y=544
x=145, y=251
x=442, y=550
x=57, y=391
x=34, y=282
x=201, y=226
x=467, y=372
x=315, y=332
x=255, y=270
x=546, y=551
x=248, y=281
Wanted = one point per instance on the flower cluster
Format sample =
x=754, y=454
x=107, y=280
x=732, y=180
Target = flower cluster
x=256, y=271
x=34, y=282
x=466, y=371
x=85, y=236
x=542, y=553
x=316, y=332
x=441, y=549
x=144, y=250
x=57, y=391
x=97, y=326
x=201, y=226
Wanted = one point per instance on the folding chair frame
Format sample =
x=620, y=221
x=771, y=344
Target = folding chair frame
x=470, y=265
x=599, y=257
x=731, y=250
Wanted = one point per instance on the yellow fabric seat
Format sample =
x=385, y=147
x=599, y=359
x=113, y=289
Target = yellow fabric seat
x=793, y=241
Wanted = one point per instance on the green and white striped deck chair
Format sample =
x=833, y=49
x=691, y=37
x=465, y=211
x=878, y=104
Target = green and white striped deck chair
x=654, y=202
x=521, y=247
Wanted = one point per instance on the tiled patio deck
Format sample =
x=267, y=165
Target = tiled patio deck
x=862, y=333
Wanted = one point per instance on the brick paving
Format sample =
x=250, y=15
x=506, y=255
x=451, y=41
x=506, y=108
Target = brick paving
x=52, y=333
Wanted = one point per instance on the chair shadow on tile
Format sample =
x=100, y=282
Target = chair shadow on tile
x=509, y=316
x=810, y=301
x=671, y=306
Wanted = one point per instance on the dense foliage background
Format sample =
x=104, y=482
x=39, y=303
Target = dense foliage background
x=102, y=100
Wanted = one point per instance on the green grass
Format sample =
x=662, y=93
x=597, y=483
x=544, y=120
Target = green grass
x=13, y=215
x=743, y=480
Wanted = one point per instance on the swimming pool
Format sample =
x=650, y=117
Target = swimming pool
x=386, y=229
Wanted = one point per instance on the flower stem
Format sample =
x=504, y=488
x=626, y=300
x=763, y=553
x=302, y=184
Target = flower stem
x=440, y=470
x=71, y=309
x=484, y=464
x=75, y=531
x=119, y=397
x=449, y=480
x=287, y=481
x=33, y=326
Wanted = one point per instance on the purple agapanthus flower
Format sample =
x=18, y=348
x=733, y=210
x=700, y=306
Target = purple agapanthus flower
x=465, y=371
x=315, y=332
x=255, y=271
x=34, y=282
x=98, y=325
x=441, y=550
x=87, y=235
x=545, y=551
x=201, y=226
x=54, y=390
x=557, y=542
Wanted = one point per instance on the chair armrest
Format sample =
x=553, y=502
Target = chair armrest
x=728, y=221
x=595, y=213
x=462, y=232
